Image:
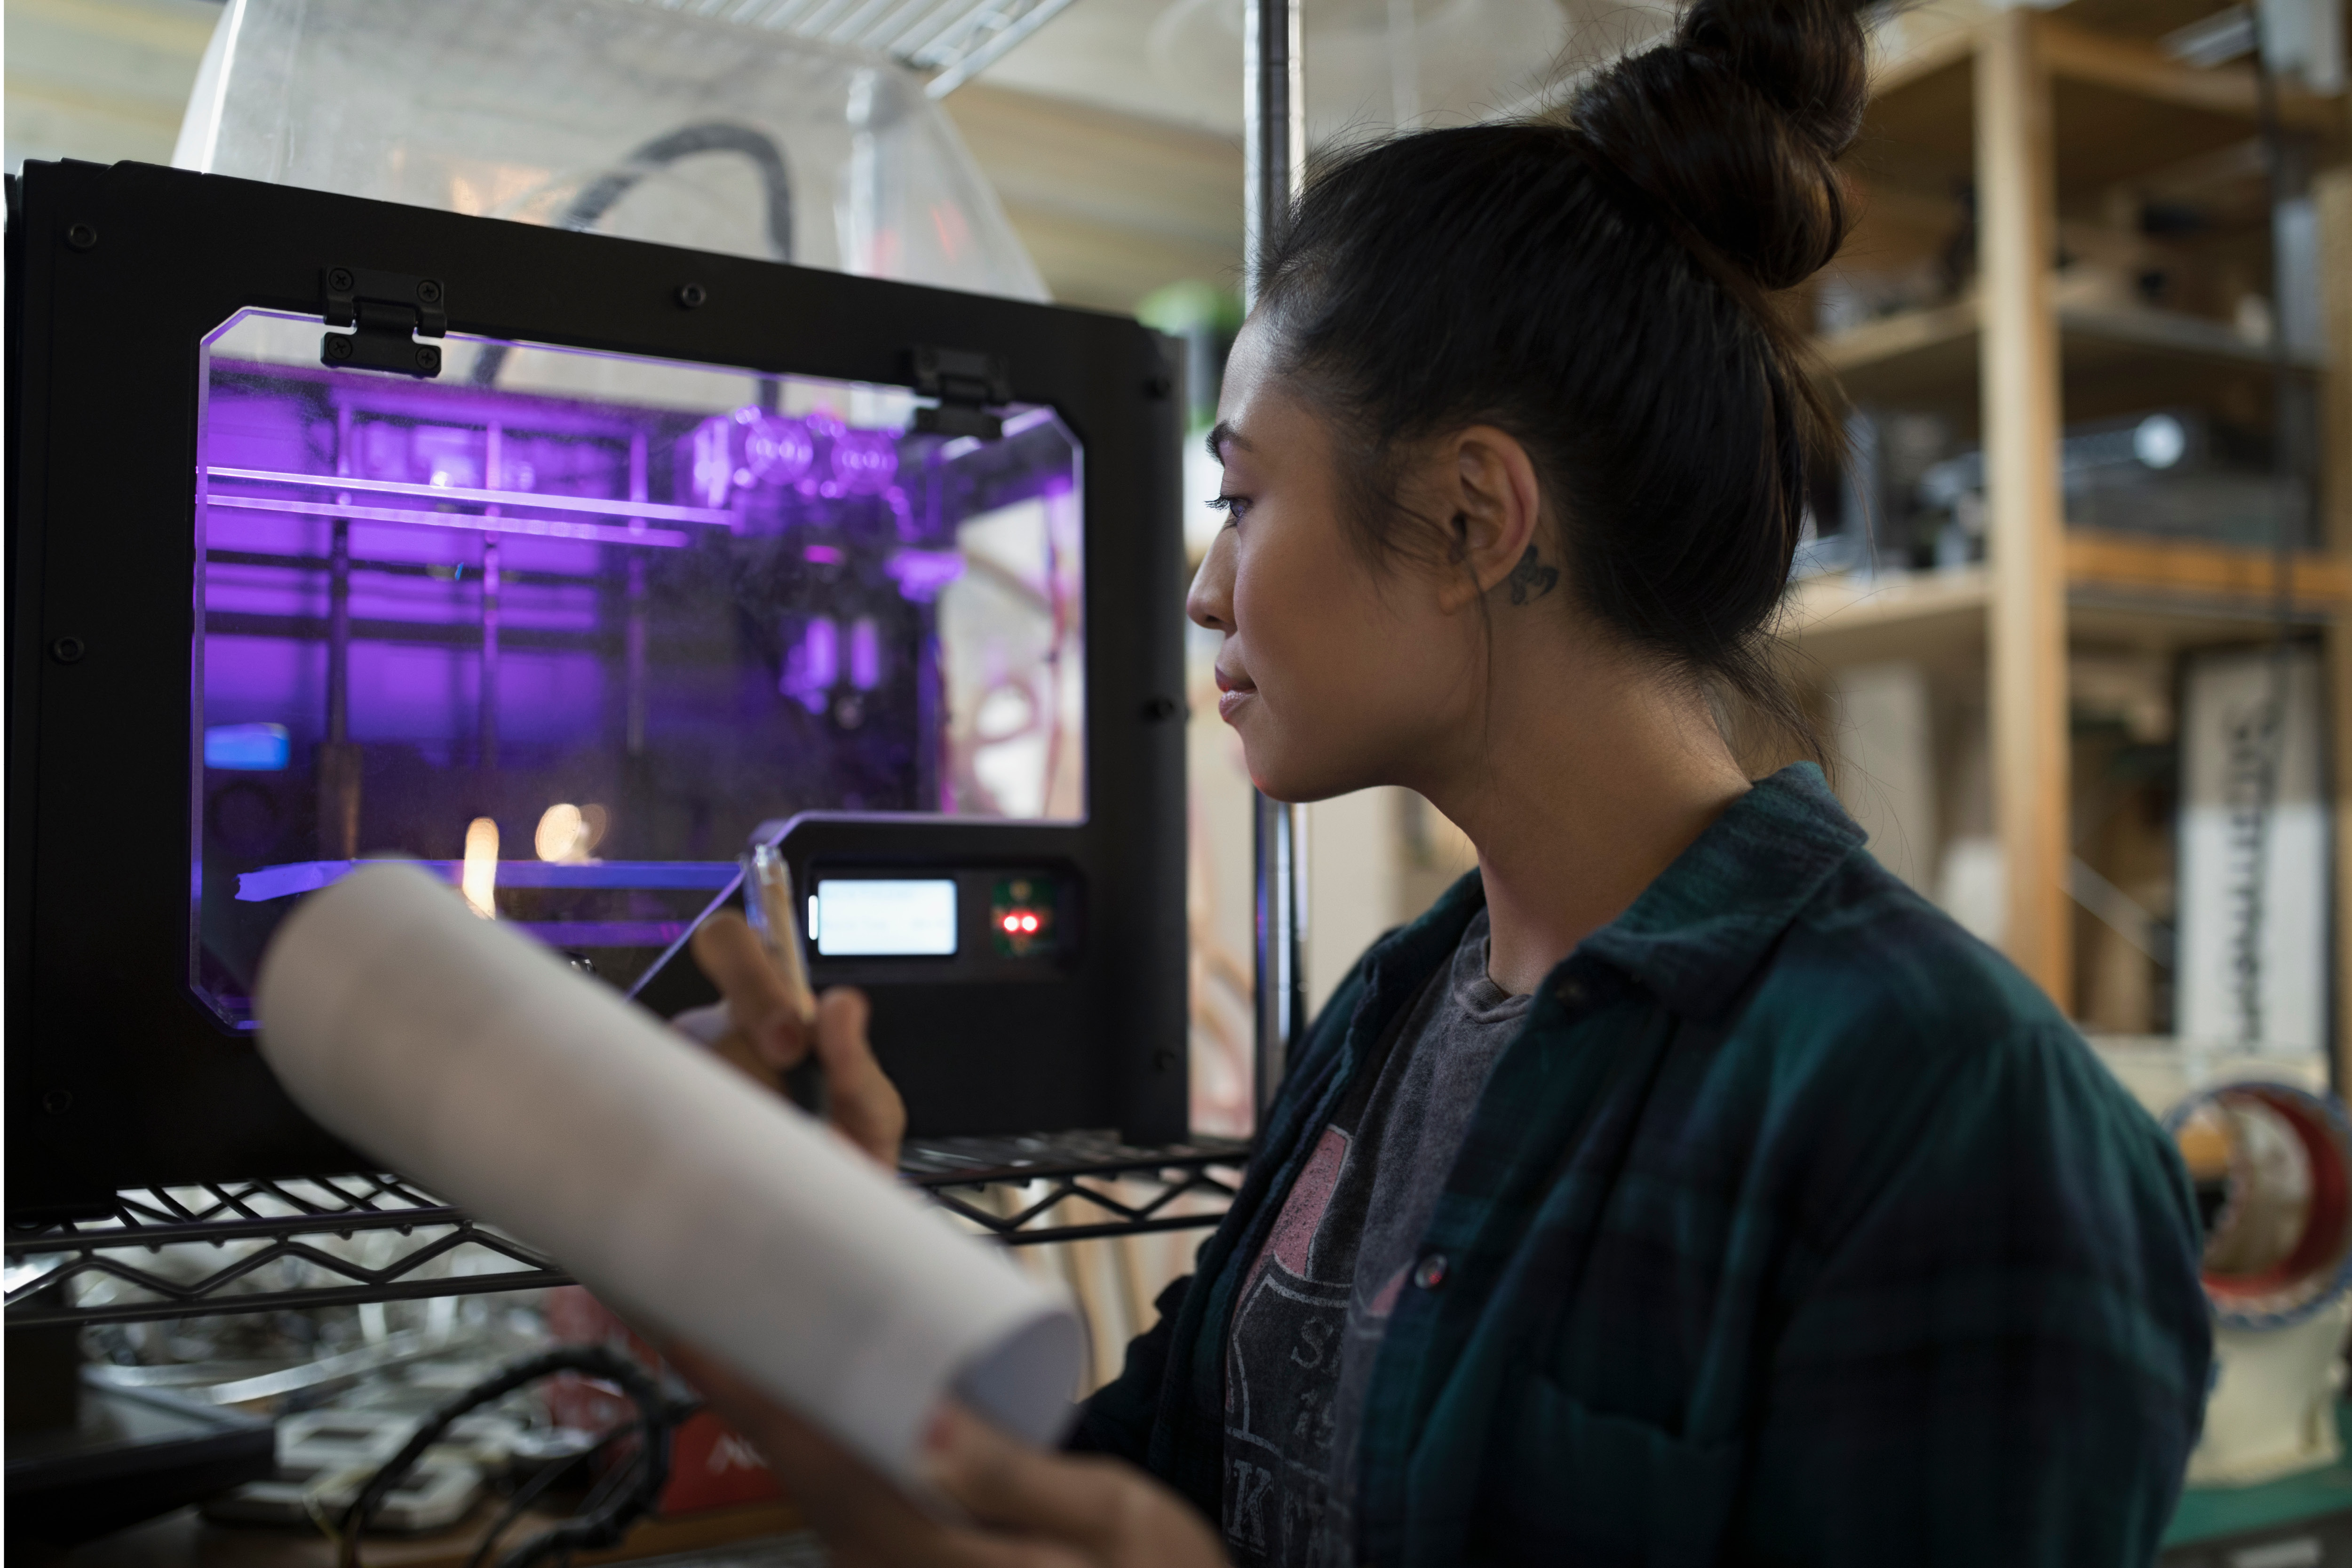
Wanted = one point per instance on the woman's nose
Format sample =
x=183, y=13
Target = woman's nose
x=1211, y=602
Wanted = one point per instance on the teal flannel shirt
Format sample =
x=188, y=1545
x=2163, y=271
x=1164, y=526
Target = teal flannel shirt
x=1794, y=1226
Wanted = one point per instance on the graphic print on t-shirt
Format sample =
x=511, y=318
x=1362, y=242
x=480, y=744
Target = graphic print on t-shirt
x=1281, y=1357
x=1313, y=1311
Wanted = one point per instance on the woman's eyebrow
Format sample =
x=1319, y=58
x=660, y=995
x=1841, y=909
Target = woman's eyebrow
x=1223, y=435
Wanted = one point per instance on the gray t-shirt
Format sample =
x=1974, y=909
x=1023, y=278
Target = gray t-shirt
x=1307, y=1325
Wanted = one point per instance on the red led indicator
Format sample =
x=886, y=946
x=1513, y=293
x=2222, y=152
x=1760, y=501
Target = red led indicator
x=1022, y=919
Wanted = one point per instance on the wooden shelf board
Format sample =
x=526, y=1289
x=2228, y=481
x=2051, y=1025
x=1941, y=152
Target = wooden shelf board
x=1908, y=48
x=2117, y=362
x=2138, y=68
x=2121, y=107
x=2113, y=361
x=1848, y=618
x=2167, y=331
x=2122, y=591
x=1920, y=359
x=1889, y=338
x=2221, y=574
x=2112, y=619
x=1864, y=347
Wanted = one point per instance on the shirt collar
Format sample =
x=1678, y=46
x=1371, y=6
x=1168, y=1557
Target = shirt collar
x=1698, y=931
x=1696, y=934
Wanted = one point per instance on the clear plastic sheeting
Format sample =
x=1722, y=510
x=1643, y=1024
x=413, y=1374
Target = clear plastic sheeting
x=604, y=116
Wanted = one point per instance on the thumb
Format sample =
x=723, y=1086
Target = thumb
x=758, y=1000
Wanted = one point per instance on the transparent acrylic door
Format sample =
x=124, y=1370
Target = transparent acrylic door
x=567, y=626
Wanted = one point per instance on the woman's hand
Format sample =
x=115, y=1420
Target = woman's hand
x=1029, y=1508
x=769, y=1037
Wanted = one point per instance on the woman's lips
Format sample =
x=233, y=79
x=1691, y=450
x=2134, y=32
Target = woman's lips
x=1234, y=693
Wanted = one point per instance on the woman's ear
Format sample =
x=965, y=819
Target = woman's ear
x=1493, y=509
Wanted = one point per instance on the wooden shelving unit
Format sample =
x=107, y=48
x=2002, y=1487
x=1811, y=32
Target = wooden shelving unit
x=2069, y=131
x=2111, y=358
x=2122, y=591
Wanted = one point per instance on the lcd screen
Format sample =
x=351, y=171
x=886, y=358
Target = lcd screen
x=886, y=920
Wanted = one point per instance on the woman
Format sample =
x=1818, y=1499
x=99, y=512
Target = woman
x=1681, y=1188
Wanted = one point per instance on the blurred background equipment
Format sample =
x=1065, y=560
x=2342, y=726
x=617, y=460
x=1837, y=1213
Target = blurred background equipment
x=2251, y=963
x=2273, y=1169
x=2095, y=257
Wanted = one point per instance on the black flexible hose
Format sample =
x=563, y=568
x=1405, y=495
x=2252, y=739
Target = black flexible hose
x=597, y=199
x=599, y=196
x=551, y=1542
x=529, y=1492
x=594, y=1528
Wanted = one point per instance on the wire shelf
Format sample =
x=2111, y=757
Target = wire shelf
x=257, y=1246
x=1080, y=1170
x=279, y=1245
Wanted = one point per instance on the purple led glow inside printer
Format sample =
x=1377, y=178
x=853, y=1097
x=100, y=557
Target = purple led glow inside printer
x=677, y=599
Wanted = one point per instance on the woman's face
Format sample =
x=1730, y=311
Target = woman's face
x=1337, y=674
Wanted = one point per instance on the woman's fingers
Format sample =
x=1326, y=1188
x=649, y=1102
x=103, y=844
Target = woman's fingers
x=770, y=1034
x=1110, y=1512
x=866, y=1522
x=1004, y=1483
x=761, y=1003
x=861, y=1102
x=836, y=1492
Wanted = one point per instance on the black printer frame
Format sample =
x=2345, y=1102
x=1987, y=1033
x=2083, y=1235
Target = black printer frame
x=117, y=1077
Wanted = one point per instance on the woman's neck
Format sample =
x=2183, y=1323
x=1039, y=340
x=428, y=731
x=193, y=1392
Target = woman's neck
x=1585, y=786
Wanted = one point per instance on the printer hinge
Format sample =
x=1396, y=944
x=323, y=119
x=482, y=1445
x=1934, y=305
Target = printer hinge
x=388, y=312
x=966, y=384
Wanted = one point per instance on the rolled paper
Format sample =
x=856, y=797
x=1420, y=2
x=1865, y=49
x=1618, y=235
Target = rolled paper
x=478, y=1064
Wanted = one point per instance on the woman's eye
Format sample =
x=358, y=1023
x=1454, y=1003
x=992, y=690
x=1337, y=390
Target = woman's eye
x=1231, y=505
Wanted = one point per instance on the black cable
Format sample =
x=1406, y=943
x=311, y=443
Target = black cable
x=599, y=196
x=525, y=1495
x=623, y=1477
x=637, y=1489
x=529, y=1492
x=601, y=1526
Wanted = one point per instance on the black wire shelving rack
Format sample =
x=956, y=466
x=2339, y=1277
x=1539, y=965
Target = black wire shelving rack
x=287, y=1245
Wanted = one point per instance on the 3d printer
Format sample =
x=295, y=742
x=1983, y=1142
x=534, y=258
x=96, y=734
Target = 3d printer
x=569, y=565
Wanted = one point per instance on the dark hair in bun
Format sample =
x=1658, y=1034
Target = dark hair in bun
x=1598, y=285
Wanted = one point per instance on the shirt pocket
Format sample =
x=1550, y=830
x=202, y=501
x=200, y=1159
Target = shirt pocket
x=1567, y=1483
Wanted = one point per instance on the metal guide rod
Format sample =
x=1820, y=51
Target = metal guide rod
x=1273, y=163
x=1274, y=127
x=1281, y=851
